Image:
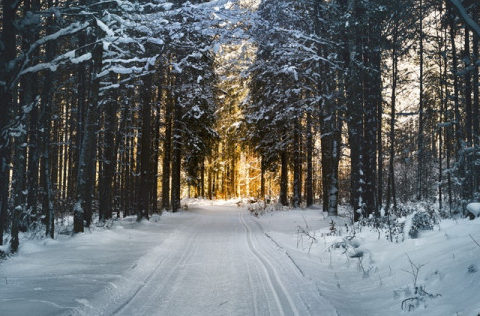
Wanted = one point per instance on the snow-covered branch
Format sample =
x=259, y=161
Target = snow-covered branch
x=467, y=18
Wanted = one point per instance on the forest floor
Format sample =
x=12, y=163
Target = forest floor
x=217, y=259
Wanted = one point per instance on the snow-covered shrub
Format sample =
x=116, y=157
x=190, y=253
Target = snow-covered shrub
x=332, y=228
x=259, y=208
x=387, y=227
x=421, y=221
x=350, y=245
x=403, y=210
x=256, y=209
x=3, y=252
x=407, y=220
x=351, y=248
x=473, y=210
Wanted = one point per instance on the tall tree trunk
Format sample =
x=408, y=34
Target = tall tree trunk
x=177, y=156
x=326, y=153
x=309, y=178
x=66, y=147
x=333, y=188
x=476, y=105
x=468, y=187
x=391, y=194
x=33, y=161
x=297, y=166
x=355, y=132
x=137, y=161
x=420, y=149
x=448, y=129
x=336, y=124
x=33, y=138
x=373, y=101
x=330, y=142
x=20, y=163
x=86, y=170
x=127, y=163
x=7, y=102
x=458, y=130
x=156, y=151
x=45, y=119
x=55, y=152
x=284, y=178
x=109, y=160
x=442, y=119
x=167, y=149
x=262, y=178
x=210, y=180
x=459, y=150
x=18, y=182
x=380, y=165
x=468, y=88
x=202, y=179
x=355, y=114
x=81, y=117
x=145, y=150
x=233, y=191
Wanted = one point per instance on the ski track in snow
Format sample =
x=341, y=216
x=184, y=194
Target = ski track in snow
x=211, y=260
x=282, y=297
x=159, y=289
x=217, y=259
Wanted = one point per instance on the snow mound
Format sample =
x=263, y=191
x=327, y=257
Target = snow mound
x=474, y=209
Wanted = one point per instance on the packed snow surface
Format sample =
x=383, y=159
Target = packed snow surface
x=217, y=259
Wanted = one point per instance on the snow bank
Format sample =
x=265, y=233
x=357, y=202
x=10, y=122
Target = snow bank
x=474, y=209
x=205, y=202
x=377, y=278
x=65, y=275
x=359, y=273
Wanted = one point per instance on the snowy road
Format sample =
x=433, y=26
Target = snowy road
x=213, y=260
x=220, y=263
x=217, y=259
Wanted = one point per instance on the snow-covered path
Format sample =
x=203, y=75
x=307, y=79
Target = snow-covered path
x=220, y=263
x=213, y=260
x=217, y=259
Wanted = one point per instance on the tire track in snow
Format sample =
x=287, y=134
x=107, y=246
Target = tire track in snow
x=187, y=253
x=265, y=287
x=252, y=292
x=159, y=291
x=297, y=266
x=286, y=253
x=280, y=294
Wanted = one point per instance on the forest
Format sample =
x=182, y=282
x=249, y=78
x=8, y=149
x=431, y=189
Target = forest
x=239, y=157
x=122, y=107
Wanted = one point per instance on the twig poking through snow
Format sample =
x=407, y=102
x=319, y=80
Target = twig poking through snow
x=415, y=270
x=411, y=303
x=286, y=253
x=301, y=231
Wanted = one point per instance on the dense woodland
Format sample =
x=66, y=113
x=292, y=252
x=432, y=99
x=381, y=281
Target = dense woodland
x=118, y=108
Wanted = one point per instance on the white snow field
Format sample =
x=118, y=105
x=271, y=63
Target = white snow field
x=217, y=259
